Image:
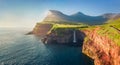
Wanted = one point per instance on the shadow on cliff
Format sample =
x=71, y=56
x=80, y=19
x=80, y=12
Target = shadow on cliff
x=79, y=37
x=66, y=37
x=69, y=37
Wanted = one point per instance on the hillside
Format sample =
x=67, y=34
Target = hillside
x=102, y=43
x=111, y=29
x=99, y=36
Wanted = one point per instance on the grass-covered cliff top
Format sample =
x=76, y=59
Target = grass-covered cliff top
x=67, y=26
x=60, y=22
x=110, y=29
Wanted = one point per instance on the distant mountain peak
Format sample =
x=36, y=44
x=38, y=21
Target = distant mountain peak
x=57, y=16
x=79, y=13
x=54, y=15
x=54, y=12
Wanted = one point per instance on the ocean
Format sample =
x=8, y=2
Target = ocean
x=16, y=48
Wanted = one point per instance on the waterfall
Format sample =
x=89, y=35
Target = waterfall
x=74, y=37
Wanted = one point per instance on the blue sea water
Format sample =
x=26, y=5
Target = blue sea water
x=16, y=48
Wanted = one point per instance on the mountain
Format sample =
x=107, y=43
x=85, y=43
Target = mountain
x=80, y=17
x=57, y=16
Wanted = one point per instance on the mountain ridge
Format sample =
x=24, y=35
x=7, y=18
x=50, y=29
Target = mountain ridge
x=79, y=17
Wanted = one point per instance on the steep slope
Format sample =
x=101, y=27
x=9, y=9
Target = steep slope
x=41, y=29
x=103, y=50
x=64, y=34
x=56, y=16
x=102, y=43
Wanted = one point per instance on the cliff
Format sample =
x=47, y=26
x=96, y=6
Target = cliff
x=103, y=50
x=99, y=42
x=65, y=36
x=41, y=29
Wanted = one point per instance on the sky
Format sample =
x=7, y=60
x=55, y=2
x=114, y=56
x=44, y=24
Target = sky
x=26, y=13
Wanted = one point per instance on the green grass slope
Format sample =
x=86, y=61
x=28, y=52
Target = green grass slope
x=111, y=29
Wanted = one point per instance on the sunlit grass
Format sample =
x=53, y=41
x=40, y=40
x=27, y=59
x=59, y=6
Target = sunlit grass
x=67, y=26
x=107, y=30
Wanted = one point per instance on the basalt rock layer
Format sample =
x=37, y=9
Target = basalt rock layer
x=64, y=36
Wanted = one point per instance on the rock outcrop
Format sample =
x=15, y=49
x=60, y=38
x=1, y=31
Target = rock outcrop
x=100, y=48
x=41, y=29
x=64, y=36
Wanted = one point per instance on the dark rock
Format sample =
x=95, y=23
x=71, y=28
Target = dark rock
x=64, y=36
x=29, y=33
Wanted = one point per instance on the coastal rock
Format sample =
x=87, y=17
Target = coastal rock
x=103, y=50
x=64, y=36
x=41, y=29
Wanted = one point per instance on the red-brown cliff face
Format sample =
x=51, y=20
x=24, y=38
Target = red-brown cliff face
x=100, y=48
